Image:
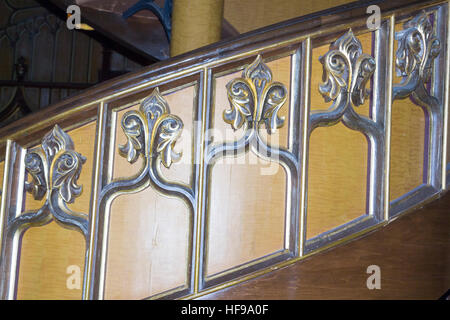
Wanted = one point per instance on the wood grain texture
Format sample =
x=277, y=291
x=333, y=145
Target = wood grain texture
x=413, y=253
x=407, y=147
x=46, y=253
x=337, y=178
x=148, y=245
x=338, y=160
x=408, y=125
x=246, y=216
x=149, y=232
x=247, y=207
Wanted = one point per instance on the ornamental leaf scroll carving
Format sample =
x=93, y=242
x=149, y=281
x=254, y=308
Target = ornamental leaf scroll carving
x=255, y=99
x=346, y=69
x=151, y=131
x=54, y=168
x=418, y=47
x=346, y=73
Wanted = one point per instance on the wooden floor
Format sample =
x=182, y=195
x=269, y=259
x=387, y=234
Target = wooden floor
x=413, y=253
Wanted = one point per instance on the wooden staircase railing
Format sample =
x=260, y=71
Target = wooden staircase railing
x=229, y=162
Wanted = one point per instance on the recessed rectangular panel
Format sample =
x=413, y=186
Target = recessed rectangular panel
x=150, y=230
x=247, y=208
x=337, y=178
x=408, y=140
x=52, y=257
x=51, y=264
x=247, y=212
x=408, y=127
x=338, y=167
x=148, y=249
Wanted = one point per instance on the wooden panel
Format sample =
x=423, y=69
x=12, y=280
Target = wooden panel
x=148, y=247
x=84, y=141
x=337, y=178
x=246, y=212
x=413, y=253
x=80, y=58
x=43, y=56
x=63, y=60
x=7, y=58
x=182, y=103
x=407, y=147
x=338, y=159
x=46, y=254
x=48, y=251
x=408, y=127
x=247, y=208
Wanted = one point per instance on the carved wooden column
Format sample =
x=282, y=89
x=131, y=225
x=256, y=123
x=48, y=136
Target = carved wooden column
x=195, y=23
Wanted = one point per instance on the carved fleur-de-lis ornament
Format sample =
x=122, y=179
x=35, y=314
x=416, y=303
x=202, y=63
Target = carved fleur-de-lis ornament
x=346, y=69
x=54, y=166
x=151, y=131
x=255, y=99
x=417, y=48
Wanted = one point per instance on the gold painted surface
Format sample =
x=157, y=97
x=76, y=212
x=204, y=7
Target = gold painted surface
x=337, y=178
x=253, y=14
x=148, y=245
x=407, y=142
x=46, y=254
x=281, y=72
x=246, y=213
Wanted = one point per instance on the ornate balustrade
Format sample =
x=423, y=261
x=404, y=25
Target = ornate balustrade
x=229, y=162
